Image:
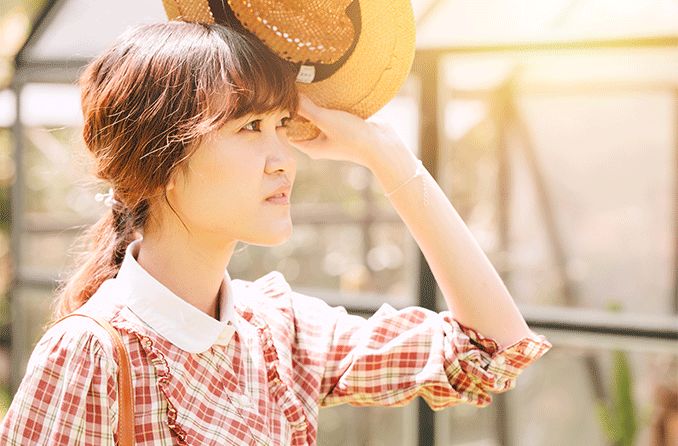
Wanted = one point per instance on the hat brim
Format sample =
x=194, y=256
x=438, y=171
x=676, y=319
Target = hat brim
x=374, y=72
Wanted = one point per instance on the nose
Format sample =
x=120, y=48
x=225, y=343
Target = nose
x=281, y=158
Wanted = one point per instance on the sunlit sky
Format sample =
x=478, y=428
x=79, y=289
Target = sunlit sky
x=81, y=28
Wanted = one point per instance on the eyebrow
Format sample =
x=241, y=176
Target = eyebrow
x=252, y=116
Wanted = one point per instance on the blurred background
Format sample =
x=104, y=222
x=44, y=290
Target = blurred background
x=551, y=125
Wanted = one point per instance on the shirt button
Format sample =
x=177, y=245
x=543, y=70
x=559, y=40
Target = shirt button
x=500, y=360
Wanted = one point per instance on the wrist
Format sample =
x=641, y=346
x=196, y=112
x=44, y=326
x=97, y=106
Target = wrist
x=393, y=167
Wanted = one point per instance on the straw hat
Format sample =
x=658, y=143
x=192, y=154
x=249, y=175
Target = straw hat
x=353, y=55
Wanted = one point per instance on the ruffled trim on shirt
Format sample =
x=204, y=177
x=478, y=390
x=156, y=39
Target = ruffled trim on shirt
x=283, y=395
x=273, y=284
x=164, y=375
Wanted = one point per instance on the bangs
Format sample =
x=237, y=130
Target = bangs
x=268, y=87
x=254, y=80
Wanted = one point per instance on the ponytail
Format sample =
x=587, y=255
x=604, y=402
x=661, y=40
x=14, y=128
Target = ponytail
x=105, y=243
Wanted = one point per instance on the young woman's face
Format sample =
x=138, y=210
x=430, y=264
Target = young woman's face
x=230, y=175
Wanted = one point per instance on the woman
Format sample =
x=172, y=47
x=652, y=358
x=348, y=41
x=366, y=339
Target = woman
x=186, y=122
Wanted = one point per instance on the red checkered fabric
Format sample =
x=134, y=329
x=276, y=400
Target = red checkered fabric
x=290, y=355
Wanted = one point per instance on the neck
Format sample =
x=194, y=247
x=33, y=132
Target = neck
x=193, y=270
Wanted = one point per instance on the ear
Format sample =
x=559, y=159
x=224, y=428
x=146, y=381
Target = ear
x=172, y=182
x=177, y=177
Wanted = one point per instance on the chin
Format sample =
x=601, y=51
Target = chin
x=272, y=239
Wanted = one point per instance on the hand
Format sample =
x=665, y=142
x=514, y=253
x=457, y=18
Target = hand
x=345, y=136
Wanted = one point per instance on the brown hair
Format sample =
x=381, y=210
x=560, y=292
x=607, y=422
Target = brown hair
x=148, y=101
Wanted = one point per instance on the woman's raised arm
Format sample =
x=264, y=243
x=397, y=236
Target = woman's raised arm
x=473, y=290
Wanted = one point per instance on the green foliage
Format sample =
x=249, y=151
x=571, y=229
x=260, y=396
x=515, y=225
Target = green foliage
x=625, y=413
x=4, y=210
x=5, y=401
x=618, y=417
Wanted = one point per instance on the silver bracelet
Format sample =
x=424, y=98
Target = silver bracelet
x=420, y=170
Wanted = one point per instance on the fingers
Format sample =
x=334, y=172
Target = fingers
x=338, y=127
x=305, y=106
x=313, y=112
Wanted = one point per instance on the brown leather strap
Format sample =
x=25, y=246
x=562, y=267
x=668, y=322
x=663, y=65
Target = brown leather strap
x=125, y=390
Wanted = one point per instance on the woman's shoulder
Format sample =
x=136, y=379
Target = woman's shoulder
x=273, y=292
x=273, y=286
x=68, y=373
x=72, y=341
x=108, y=303
x=273, y=295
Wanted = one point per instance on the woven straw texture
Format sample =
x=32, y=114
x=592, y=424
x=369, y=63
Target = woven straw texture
x=299, y=31
x=370, y=77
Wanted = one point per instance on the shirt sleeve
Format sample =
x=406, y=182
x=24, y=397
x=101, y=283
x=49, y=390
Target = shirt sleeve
x=68, y=394
x=391, y=357
x=397, y=355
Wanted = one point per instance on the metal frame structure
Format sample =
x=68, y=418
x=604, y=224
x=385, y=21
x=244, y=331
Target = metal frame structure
x=426, y=68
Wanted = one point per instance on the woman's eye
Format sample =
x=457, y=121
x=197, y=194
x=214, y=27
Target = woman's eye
x=258, y=122
x=246, y=126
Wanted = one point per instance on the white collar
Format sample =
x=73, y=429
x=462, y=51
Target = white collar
x=171, y=316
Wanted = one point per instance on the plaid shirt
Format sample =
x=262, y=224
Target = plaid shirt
x=258, y=376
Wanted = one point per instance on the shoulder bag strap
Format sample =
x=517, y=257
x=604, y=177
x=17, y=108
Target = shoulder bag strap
x=125, y=391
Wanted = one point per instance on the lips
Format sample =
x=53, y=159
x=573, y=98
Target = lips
x=283, y=191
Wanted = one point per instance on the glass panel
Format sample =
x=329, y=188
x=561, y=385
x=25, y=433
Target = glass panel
x=608, y=173
x=391, y=258
x=7, y=172
x=466, y=425
x=583, y=172
x=29, y=312
x=6, y=267
x=51, y=105
x=7, y=108
x=559, y=392
x=345, y=425
x=450, y=23
x=572, y=402
x=72, y=19
x=323, y=181
x=59, y=187
x=47, y=254
x=469, y=23
x=325, y=255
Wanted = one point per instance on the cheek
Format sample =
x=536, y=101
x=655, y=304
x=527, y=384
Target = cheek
x=224, y=184
x=225, y=177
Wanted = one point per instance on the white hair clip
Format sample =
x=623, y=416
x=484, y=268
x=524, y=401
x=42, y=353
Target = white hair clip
x=107, y=198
